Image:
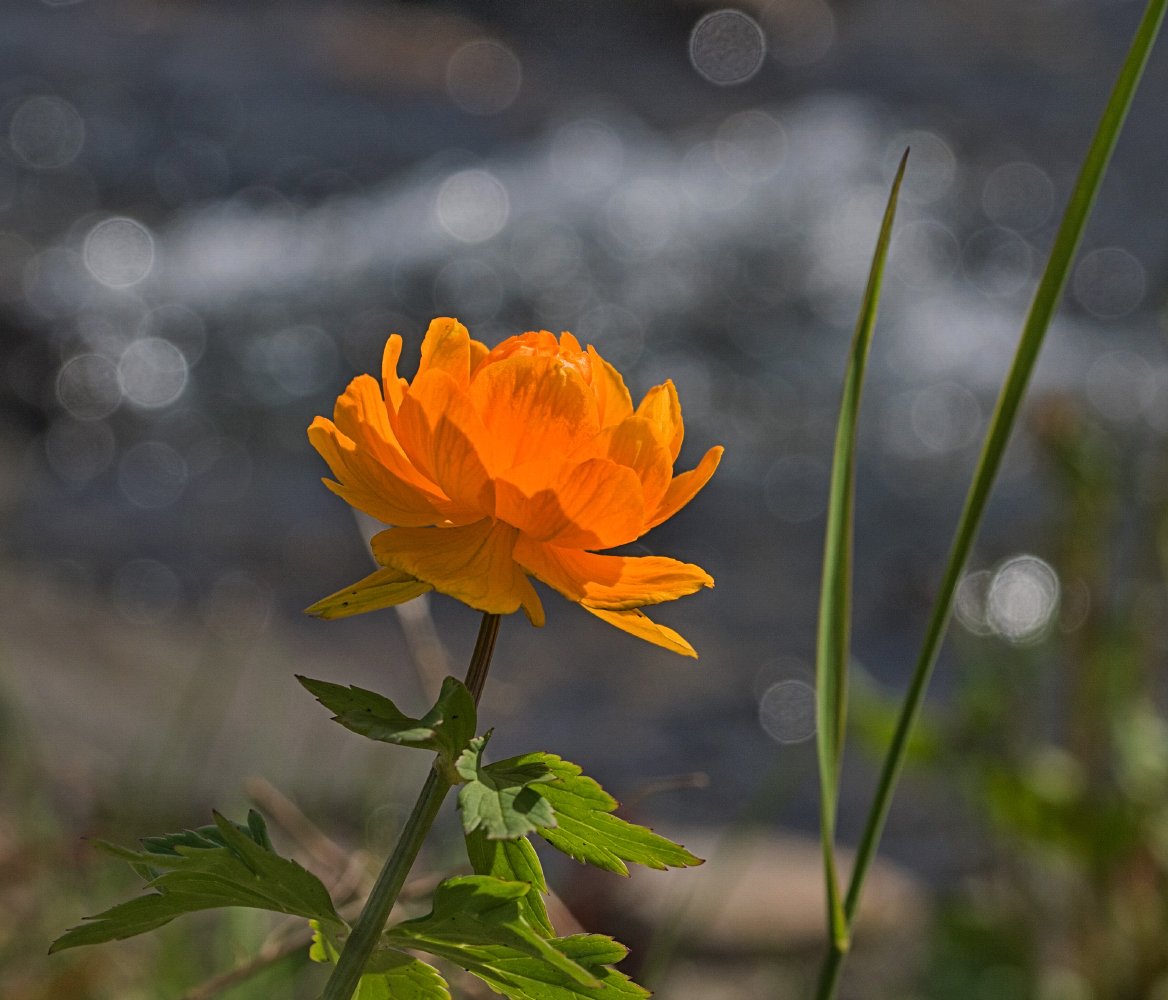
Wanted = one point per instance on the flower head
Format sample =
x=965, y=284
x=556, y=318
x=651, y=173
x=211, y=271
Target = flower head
x=497, y=465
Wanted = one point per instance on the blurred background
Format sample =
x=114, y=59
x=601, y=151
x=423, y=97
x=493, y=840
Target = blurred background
x=213, y=214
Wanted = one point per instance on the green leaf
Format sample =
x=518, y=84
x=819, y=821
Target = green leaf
x=513, y=861
x=223, y=865
x=835, y=598
x=476, y=924
x=523, y=978
x=393, y=975
x=586, y=829
x=500, y=798
x=446, y=729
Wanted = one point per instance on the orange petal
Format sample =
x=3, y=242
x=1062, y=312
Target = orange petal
x=534, y=407
x=612, y=395
x=361, y=416
x=634, y=443
x=360, y=411
x=613, y=583
x=370, y=486
x=447, y=441
x=639, y=624
x=391, y=383
x=662, y=408
x=382, y=589
x=472, y=563
x=446, y=347
x=478, y=353
x=595, y=504
x=685, y=487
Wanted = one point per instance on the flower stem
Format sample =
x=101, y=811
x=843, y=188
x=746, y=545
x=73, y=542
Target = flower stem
x=371, y=921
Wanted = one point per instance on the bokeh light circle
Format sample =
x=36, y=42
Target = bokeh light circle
x=483, y=77
x=473, y=206
x=46, y=132
x=727, y=47
x=119, y=252
x=587, y=156
x=786, y=711
x=87, y=386
x=1018, y=195
x=749, y=145
x=1022, y=599
x=1109, y=282
x=152, y=373
x=152, y=475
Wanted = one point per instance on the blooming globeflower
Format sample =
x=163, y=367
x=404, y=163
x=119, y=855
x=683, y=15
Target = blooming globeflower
x=494, y=466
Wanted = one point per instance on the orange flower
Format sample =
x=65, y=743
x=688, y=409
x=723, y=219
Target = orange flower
x=493, y=465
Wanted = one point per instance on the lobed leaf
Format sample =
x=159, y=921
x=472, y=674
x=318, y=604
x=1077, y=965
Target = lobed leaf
x=475, y=910
x=477, y=924
x=587, y=831
x=224, y=865
x=520, y=977
x=394, y=976
x=446, y=729
x=513, y=861
x=501, y=798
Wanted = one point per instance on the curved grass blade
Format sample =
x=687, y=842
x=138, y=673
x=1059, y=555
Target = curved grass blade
x=1046, y=298
x=835, y=599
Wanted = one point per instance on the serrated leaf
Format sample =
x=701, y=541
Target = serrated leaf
x=446, y=729
x=513, y=861
x=522, y=978
x=476, y=921
x=381, y=589
x=393, y=975
x=587, y=831
x=501, y=798
x=224, y=865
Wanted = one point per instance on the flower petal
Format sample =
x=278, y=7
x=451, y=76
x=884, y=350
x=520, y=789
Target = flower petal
x=595, y=504
x=643, y=627
x=612, y=396
x=361, y=415
x=478, y=353
x=662, y=408
x=534, y=408
x=613, y=583
x=369, y=485
x=447, y=441
x=685, y=487
x=392, y=384
x=446, y=347
x=471, y=562
x=381, y=589
x=634, y=443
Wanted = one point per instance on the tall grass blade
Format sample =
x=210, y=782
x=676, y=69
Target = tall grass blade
x=835, y=599
x=1002, y=422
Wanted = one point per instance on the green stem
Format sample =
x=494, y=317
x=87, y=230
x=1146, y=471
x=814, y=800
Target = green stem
x=369, y=925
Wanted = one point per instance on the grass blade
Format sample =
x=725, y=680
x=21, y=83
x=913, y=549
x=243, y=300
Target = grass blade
x=835, y=599
x=1034, y=330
